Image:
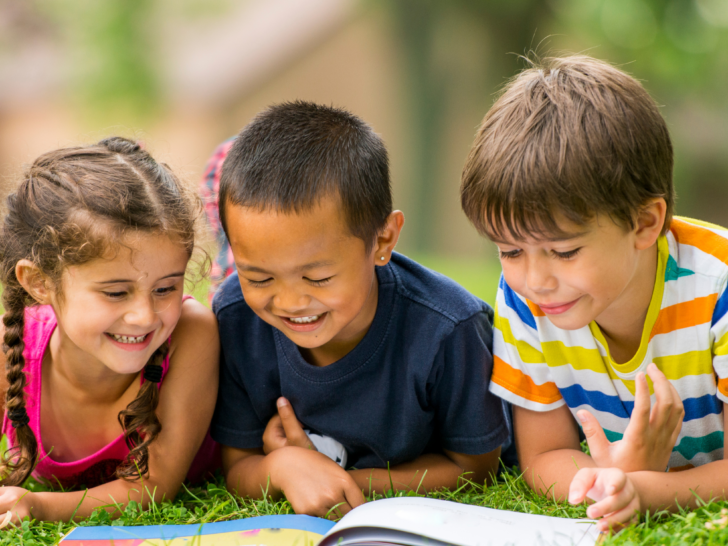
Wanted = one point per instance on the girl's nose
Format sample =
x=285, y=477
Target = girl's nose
x=143, y=311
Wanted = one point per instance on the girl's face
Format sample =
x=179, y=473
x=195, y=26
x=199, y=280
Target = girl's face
x=117, y=310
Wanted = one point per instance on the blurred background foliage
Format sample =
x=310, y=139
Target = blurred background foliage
x=185, y=74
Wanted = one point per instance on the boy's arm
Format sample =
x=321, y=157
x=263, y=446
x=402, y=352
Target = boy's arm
x=429, y=471
x=549, y=452
x=312, y=483
x=618, y=495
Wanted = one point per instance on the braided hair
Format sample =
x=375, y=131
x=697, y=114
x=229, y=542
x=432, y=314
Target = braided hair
x=72, y=206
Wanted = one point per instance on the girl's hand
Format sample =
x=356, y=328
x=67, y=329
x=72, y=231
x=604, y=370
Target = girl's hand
x=313, y=483
x=652, y=431
x=285, y=430
x=19, y=503
x=617, y=501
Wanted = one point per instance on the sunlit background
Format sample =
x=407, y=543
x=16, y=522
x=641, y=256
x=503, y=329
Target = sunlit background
x=183, y=75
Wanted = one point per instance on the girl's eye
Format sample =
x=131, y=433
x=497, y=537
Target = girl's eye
x=258, y=284
x=165, y=290
x=509, y=254
x=115, y=295
x=567, y=255
x=319, y=282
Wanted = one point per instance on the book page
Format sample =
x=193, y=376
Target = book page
x=455, y=524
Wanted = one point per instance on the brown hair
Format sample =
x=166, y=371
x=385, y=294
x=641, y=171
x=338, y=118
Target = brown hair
x=569, y=138
x=73, y=206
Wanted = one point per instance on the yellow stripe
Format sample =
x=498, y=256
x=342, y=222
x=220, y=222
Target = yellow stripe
x=691, y=363
x=521, y=384
x=579, y=358
x=526, y=352
x=688, y=233
x=720, y=347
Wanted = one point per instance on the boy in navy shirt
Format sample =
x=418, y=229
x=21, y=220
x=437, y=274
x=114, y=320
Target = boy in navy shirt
x=385, y=362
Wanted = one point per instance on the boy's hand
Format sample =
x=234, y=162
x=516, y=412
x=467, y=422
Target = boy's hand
x=284, y=430
x=651, y=434
x=617, y=501
x=313, y=483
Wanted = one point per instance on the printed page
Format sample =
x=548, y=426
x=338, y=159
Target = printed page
x=455, y=524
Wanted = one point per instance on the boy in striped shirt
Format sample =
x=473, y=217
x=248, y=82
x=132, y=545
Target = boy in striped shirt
x=571, y=176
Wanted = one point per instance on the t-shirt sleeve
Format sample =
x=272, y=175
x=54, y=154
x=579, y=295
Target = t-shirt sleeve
x=719, y=331
x=469, y=419
x=235, y=423
x=520, y=373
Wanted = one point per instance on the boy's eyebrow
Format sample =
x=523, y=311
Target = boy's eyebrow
x=115, y=281
x=312, y=265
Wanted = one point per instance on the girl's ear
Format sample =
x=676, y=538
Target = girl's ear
x=650, y=220
x=388, y=237
x=33, y=281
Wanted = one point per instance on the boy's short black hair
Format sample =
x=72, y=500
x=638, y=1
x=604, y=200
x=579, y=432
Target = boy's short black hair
x=295, y=153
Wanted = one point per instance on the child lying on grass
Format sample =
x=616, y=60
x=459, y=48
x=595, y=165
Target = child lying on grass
x=571, y=176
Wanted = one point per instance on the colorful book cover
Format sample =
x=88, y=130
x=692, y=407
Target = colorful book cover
x=257, y=531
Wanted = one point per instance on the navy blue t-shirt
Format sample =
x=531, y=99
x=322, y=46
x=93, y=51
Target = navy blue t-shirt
x=416, y=383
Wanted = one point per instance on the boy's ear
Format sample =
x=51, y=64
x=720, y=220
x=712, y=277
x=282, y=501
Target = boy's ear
x=388, y=237
x=33, y=281
x=650, y=220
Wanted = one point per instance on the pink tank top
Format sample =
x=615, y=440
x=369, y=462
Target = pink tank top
x=98, y=468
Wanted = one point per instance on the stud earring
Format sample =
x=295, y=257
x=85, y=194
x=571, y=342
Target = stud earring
x=381, y=258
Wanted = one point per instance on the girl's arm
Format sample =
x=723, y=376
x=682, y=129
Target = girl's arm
x=186, y=402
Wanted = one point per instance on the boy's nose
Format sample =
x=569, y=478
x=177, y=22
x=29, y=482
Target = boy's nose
x=291, y=302
x=539, y=277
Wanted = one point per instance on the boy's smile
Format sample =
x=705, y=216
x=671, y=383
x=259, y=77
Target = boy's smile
x=602, y=272
x=306, y=275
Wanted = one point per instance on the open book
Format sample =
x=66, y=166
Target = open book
x=404, y=521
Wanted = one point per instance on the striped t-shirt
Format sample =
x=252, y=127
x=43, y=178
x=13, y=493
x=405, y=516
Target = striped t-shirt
x=541, y=367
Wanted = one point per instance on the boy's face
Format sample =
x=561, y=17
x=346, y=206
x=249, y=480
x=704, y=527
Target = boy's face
x=305, y=274
x=598, y=272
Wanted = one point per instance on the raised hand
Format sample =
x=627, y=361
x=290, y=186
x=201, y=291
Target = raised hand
x=617, y=503
x=313, y=483
x=284, y=429
x=651, y=434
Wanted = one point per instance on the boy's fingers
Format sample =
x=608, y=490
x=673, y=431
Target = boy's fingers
x=354, y=496
x=595, y=437
x=295, y=435
x=582, y=482
x=666, y=398
x=641, y=413
x=617, y=521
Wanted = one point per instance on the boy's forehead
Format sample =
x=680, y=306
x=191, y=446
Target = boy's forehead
x=567, y=231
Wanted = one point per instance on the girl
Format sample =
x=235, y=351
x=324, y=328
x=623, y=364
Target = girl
x=93, y=253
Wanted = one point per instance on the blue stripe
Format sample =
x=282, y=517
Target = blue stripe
x=721, y=306
x=576, y=396
x=697, y=408
x=513, y=301
x=169, y=532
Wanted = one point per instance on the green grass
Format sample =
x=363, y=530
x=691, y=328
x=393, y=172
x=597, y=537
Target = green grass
x=214, y=503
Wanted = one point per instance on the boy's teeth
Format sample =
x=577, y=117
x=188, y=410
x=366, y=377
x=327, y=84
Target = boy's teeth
x=128, y=339
x=304, y=320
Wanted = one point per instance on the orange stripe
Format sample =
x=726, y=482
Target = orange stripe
x=680, y=468
x=684, y=315
x=535, y=309
x=519, y=383
x=701, y=238
x=723, y=386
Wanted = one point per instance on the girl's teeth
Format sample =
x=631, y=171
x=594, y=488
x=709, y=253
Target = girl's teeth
x=304, y=320
x=128, y=339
